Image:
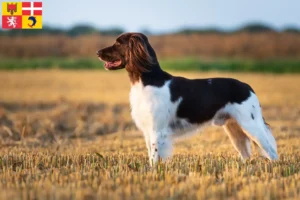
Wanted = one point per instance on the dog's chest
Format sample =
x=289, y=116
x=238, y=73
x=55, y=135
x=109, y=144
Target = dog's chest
x=151, y=106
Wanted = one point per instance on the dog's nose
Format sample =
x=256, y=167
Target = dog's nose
x=99, y=53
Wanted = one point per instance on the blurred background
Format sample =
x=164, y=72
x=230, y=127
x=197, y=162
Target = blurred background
x=53, y=85
x=187, y=35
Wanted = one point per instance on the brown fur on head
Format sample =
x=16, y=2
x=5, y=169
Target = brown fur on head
x=139, y=56
x=131, y=51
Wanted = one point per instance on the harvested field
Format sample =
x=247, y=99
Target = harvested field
x=69, y=135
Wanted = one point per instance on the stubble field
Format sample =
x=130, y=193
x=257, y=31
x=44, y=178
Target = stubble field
x=69, y=135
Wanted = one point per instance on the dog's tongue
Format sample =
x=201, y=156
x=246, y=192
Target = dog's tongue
x=112, y=64
x=108, y=64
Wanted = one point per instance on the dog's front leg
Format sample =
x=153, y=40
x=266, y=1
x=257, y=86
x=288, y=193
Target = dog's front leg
x=161, y=146
x=147, y=140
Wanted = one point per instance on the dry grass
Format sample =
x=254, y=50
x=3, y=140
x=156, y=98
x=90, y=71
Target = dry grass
x=113, y=87
x=249, y=45
x=54, y=143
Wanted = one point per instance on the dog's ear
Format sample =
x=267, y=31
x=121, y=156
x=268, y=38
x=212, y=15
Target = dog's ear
x=139, y=56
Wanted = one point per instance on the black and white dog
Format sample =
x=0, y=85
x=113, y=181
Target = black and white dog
x=165, y=107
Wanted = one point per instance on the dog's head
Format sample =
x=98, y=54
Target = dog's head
x=131, y=51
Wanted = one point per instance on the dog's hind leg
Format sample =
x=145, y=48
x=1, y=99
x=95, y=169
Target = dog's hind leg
x=258, y=135
x=238, y=138
x=248, y=115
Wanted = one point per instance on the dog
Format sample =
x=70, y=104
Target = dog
x=165, y=107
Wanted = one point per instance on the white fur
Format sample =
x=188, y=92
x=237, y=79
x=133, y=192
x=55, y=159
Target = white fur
x=255, y=128
x=153, y=111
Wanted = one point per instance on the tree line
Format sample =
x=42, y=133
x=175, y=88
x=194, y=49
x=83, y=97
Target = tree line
x=79, y=29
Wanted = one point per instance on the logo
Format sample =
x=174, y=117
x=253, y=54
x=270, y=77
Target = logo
x=22, y=15
x=11, y=8
x=12, y=22
x=31, y=8
x=33, y=19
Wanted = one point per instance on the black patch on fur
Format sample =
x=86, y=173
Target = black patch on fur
x=156, y=77
x=177, y=125
x=200, y=102
x=252, y=116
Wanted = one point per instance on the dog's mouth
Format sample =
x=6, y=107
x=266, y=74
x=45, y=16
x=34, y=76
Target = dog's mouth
x=112, y=65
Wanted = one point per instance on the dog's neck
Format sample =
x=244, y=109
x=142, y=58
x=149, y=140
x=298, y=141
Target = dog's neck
x=155, y=76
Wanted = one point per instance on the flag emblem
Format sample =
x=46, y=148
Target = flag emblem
x=22, y=15
x=11, y=8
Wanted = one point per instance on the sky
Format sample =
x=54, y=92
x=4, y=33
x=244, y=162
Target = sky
x=170, y=15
